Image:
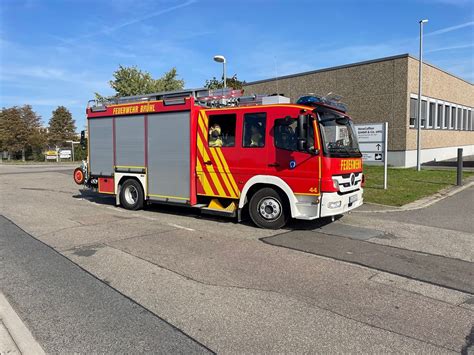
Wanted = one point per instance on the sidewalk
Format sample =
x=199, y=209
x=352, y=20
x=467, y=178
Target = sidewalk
x=15, y=338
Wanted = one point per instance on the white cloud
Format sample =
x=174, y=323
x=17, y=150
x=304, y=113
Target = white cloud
x=461, y=46
x=450, y=29
x=109, y=29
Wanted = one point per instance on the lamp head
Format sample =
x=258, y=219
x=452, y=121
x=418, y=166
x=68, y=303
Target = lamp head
x=219, y=58
x=424, y=21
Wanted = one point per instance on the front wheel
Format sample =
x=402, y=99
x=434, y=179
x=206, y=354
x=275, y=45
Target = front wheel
x=268, y=209
x=131, y=195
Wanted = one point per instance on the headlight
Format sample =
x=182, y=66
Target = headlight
x=336, y=204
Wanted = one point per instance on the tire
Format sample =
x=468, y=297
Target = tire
x=131, y=195
x=79, y=176
x=269, y=209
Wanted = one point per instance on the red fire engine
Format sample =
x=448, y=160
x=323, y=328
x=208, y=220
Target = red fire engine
x=223, y=152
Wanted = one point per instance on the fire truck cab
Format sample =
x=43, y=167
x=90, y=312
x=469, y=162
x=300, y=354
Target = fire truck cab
x=222, y=152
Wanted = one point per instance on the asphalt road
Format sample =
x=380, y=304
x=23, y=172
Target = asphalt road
x=216, y=280
x=438, y=270
x=70, y=311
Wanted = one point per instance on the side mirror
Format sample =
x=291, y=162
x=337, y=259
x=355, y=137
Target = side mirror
x=301, y=131
x=83, y=140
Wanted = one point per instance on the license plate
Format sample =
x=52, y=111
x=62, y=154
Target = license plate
x=352, y=199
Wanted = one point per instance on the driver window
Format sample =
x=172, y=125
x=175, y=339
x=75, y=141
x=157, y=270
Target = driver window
x=286, y=136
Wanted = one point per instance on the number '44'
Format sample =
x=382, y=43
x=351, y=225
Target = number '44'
x=313, y=189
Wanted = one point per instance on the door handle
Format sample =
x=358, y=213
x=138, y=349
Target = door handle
x=274, y=164
x=208, y=162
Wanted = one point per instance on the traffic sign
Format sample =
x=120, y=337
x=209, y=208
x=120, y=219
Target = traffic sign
x=370, y=132
x=373, y=144
x=371, y=147
x=372, y=157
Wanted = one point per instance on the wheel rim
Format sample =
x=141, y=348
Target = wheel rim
x=269, y=208
x=131, y=195
x=78, y=176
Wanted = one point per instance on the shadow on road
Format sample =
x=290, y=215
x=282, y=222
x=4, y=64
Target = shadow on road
x=179, y=210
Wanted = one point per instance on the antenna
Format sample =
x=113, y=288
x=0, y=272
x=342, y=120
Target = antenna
x=276, y=74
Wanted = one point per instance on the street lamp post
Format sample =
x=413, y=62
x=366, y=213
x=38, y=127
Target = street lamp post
x=221, y=59
x=420, y=73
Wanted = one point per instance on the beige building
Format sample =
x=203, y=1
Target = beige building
x=385, y=90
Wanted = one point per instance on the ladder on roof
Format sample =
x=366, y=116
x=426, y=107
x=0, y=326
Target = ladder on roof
x=203, y=97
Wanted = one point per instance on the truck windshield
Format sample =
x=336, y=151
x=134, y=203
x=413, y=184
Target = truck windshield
x=338, y=134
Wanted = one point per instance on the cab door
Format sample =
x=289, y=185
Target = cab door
x=300, y=170
x=217, y=152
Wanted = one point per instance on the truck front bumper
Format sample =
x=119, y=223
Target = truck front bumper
x=333, y=204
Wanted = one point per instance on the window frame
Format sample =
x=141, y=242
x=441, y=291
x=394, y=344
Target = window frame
x=430, y=114
x=447, y=116
x=439, y=115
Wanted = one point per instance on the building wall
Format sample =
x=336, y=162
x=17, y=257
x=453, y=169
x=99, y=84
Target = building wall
x=374, y=91
x=379, y=91
x=439, y=85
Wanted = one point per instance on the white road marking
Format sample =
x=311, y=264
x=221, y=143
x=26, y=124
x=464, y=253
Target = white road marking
x=181, y=227
x=116, y=209
x=146, y=217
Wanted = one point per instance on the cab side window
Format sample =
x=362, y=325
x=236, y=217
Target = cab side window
x=254, y=130
x=286, y=136
x=222, y=130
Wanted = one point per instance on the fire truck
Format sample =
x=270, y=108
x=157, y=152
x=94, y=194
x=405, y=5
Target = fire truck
x=225, y=153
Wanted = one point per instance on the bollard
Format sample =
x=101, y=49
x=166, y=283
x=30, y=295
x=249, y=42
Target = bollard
x=459, y=175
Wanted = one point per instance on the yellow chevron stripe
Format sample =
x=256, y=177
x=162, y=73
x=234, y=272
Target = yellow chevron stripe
x=204, y=182
x=201, y=125
x=203, y=117
x=202, y=122
x=210, y=168
x=224, y=175
x=227, y=171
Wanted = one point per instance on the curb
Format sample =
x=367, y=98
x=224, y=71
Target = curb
x=423, y=202
x=19, y=333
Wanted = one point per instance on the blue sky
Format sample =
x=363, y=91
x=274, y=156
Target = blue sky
x=61, y=52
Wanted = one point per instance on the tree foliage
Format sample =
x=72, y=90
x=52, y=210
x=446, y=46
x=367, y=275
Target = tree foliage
x=130, y=81
x=232, y=82
x=20, y=130
x=61, y=127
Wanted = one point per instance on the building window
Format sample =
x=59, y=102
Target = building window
x=446, y=117
x=222, y=130
x=254, y=130
x=413, y=111
x=424, y=107
x=459, y=119
x=464, y=118
x=453, y=117
x=439, y=116
x=431, y=115
x=471, y=120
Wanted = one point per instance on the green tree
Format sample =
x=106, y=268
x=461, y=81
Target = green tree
x=61, y=127
x=13, y=131
x=232, y=82
x=36, y=139
x=129, y=81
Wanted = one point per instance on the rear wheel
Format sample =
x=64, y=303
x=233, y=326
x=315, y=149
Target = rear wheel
x=268, y=209
x=131, y=195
